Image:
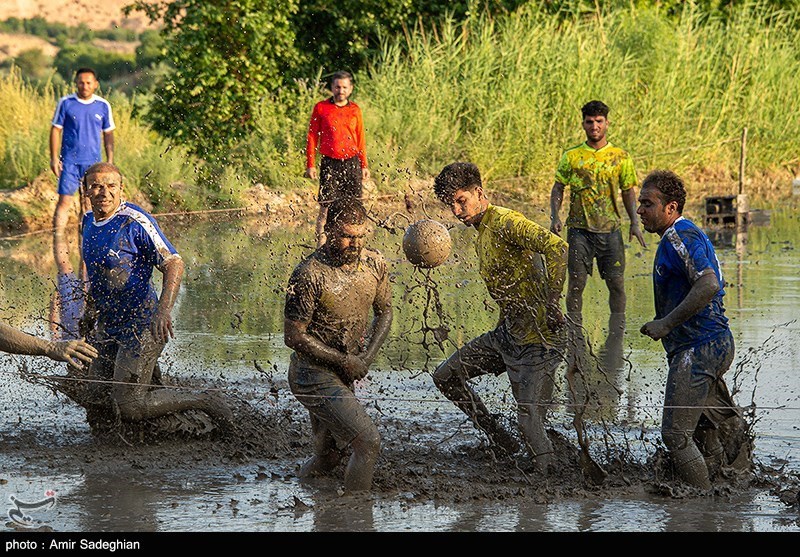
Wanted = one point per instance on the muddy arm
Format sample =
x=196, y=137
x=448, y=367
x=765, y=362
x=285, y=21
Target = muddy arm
x=296, y=337
x=380, y=330
x=703, y=291
x=14, y=341
x=161, y=325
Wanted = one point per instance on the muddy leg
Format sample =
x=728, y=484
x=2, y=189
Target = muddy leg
x=684, y=399
x=451, y=377
x=326, y=455
x=361, y=466
x=612, y=349
x=711, y=448
x=135, y=399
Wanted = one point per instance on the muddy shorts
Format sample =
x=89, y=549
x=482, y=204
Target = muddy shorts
x=339, y=178
x=530, y=367
x=696, y=392
x=607, y=248
x=331, y=403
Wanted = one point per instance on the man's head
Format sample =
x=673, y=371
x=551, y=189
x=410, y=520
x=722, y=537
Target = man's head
x=595, y=121
x=86, y=82
x=661, y=200
x=341, y=86
x=346, y=229
x=103, y=186
x=459, y=187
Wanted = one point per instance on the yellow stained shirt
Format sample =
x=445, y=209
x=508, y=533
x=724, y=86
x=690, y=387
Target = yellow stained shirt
x=521, y=262
x=593, y=177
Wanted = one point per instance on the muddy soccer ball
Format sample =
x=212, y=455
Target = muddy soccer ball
x=426, y=243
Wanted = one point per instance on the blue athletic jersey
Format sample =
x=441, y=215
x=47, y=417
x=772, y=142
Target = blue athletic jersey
x=82, y=123
x=120, y=254
x=684, y=255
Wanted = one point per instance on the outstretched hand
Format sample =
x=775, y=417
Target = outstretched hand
x=74, y=352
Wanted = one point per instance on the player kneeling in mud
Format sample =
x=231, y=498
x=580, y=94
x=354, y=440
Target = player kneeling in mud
x=122, y=244
x=524, y=266
x=328, y=302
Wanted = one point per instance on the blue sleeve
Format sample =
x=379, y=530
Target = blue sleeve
x=151, y=242
x=698, y=252
x=58, y=117
x=108, y=119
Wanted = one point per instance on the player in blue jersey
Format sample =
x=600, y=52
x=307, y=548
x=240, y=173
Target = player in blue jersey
x=690, y=322
x=79, y=121
x=122, y=244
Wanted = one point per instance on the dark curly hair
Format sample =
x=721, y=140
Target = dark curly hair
x=595, y=108
x=454, y=177
x=345, y=210
x=669, y=185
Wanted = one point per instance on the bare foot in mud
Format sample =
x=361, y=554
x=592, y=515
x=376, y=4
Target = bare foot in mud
x=218, y=409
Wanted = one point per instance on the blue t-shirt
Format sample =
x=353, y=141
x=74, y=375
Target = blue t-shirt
x=684, y=255
x=82, y=123
x=120, y=254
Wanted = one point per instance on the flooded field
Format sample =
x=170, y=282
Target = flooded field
x=229, y=321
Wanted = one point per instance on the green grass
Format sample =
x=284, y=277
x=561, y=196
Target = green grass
x=504, y=93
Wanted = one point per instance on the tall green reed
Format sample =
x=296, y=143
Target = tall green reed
x=506, y=93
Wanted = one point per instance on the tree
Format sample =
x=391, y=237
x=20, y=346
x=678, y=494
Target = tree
x=225, y=55
x=85, y=55
x=346, y=34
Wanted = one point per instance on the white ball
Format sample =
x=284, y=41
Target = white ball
x=426, y=243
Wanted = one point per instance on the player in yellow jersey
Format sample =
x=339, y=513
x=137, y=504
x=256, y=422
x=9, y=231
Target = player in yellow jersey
x=594, y=171
x=524, y=268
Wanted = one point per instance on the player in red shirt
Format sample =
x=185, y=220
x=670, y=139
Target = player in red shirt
x=337, y=130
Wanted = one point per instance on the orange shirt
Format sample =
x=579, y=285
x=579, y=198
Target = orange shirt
x=338, y=131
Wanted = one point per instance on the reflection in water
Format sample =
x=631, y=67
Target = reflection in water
x=232, y=319
x=346, y=514
x=115, y=503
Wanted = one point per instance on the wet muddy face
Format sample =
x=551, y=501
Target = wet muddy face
x=468, y=205
x=655, y=216
x=104, y=190
x=595, y=128
x=345, y=242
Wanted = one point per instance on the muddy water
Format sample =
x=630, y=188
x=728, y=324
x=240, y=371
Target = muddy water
x=229, y=332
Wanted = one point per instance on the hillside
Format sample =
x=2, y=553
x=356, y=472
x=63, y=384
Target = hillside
x=104, y=14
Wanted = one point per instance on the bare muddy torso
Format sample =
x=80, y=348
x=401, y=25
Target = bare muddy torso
x=435, y=472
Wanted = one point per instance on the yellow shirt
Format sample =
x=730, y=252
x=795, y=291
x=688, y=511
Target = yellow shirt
x=593, y=177
x=521, y=262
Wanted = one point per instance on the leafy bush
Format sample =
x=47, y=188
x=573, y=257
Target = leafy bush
x=107, y=64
